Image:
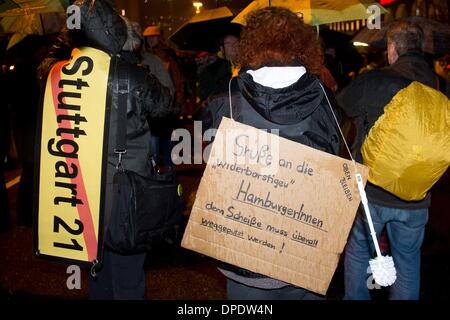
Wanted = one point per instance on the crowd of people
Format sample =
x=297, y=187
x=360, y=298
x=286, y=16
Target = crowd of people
x=277, y=75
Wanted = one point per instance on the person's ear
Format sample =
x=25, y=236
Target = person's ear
x=391, y=53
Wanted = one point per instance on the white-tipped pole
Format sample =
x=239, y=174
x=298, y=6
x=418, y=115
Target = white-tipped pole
x=383, y=268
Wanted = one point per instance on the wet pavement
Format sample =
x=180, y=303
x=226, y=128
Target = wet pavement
x=174, y=273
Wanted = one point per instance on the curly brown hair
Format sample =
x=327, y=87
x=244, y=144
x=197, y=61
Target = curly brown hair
x=276, y=36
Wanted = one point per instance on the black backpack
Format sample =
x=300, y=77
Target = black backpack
x=145, y=209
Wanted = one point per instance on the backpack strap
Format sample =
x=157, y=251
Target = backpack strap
x=123, y=88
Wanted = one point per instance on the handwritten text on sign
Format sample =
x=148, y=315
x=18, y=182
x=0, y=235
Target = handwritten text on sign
x=274, y=206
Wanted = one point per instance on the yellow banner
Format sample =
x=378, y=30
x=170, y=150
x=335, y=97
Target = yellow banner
x=71, y=159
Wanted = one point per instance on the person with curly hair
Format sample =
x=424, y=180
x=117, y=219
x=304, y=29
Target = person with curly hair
x=277, y=88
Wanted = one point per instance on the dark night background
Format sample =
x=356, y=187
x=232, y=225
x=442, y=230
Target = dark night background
x=170, y=14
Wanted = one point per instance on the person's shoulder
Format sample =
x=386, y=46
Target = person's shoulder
x=218, y=98
x=207, y=71
x=379, y=77
x=150, y=57
x=165, y=55
x=218, y=64
x=136, y=72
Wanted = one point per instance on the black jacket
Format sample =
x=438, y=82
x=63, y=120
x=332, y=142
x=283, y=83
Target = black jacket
x=102, y=28
x=214, y=78
x=146, y=98
x=414, y=67
x=299, y=111
x=365, y=98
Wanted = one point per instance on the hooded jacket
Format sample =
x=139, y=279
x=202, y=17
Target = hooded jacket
x=301, y=113
x=102, y=28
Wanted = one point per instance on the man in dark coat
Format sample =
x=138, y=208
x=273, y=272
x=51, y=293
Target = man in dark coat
x=364, y=99
x=215, y=77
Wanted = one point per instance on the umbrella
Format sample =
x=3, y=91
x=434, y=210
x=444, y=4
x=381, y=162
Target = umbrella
x=32, y=49
x=202, y=32
x=317, y=12
x=24, y=17
x=22, y=7
x=437, y=35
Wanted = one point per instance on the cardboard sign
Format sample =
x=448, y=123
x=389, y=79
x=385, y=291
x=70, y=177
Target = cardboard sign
x=273, y=206
x=72, y=158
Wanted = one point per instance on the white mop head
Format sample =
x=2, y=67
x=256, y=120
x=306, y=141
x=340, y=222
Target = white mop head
x=383, y=270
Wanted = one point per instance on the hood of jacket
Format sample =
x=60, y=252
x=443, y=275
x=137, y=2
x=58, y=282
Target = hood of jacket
x=102, y=25
x=286, y=105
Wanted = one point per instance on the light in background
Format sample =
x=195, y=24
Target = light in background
x=360, y=44
x=197, y=6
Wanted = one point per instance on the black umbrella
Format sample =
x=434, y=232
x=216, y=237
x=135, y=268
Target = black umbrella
x=437, y=35
x=203, y=31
